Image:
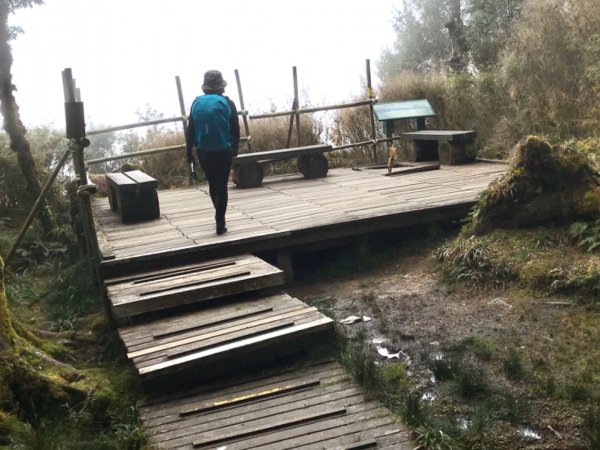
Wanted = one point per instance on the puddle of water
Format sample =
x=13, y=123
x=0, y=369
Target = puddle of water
x=428, y=397
x=463, y=424
x=529, y=433
x=386, y=353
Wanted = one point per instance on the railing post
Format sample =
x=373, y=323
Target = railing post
x=75, y=125
x=297, y=104
x=183, y=124
x=243, y=108
x=371, y=96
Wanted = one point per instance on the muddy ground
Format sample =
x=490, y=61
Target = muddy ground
x=418, y=318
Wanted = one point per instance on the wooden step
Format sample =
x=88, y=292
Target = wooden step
x=134, y=295
x=315, y=406
x=221, y=339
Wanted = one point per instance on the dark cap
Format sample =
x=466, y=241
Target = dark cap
x=213, y=81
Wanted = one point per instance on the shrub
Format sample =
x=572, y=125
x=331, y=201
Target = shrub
x=513, y=366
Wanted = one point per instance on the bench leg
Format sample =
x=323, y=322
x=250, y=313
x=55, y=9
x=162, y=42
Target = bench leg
x=313, y=166
x=452, y=153
x=419, y=150
x=112, y=198
x=249, y=174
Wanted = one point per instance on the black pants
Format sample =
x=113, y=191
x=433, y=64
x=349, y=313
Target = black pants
x=216, y=167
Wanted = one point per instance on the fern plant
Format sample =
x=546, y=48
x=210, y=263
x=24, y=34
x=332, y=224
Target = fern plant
x=586, y=234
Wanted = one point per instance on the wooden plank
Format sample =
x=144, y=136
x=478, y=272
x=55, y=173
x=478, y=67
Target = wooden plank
x=121, y=180
x=375, y=424
x=189, y=360
x=177, y=326
x=156, y=280
x=243, y=385
x=239, y=400
x=281, y=154
x=138, y=294
x=439, y=135
x=207, y=336
x=275, y=425
x=356, y=418
x=141, y=178
x=200, y=292
x=175, y=426
x=222, y=341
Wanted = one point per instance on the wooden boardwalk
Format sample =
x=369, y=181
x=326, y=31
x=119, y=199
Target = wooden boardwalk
x=287, y=213
x=313, y=407
x=199, y=315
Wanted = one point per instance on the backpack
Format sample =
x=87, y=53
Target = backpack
x=211, y=114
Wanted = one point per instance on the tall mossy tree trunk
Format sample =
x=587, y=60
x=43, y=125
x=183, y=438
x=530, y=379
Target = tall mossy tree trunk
x=458, y=39
x=10, y=111
x=7, y=341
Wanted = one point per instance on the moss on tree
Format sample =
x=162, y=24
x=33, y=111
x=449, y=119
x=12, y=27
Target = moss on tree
x=34, y=385
x=544, y=183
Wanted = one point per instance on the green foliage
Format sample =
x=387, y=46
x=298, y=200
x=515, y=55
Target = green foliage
x=350, y=126
x=586, y=234
x=489, y=25
x=591, y=426
x=432, y=438
x=513, y=366
x=482, y=348
x=420, y=39
x=516, y=409
x=533, y=68
x=477, y=260
x=544, y=183
x=469, y=382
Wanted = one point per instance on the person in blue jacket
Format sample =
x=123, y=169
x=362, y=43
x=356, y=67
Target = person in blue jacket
x=214, y=129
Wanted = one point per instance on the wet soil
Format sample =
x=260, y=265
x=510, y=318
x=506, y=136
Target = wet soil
x=417, y=318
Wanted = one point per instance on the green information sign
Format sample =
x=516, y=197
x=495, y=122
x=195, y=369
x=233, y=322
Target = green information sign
x=410, y=109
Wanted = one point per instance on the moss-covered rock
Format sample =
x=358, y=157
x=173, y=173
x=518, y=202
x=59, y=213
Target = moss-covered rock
x=543, y=183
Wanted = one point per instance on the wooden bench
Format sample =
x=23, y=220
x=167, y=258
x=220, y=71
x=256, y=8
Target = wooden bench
x=133, y=196
x=248, y=171
x=450, y=147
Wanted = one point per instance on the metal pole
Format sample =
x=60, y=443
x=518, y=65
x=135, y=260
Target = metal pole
x=297, y=103
x=288, y=142
x=371, y=96
x=137, y=125
x=37, y=204
x=311, y=110
x=184, y=126
x=243, y=107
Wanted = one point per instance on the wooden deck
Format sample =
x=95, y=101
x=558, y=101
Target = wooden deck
x=313, y=407
x=206, y=312
x=287, y=212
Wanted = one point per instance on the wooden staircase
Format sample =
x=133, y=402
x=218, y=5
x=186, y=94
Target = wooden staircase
x=201, y=335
